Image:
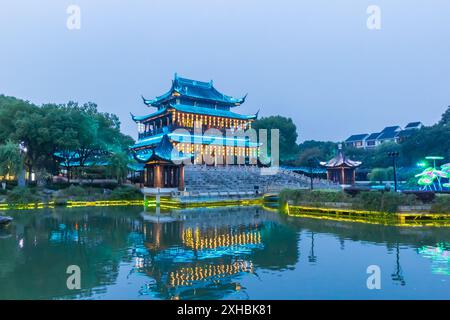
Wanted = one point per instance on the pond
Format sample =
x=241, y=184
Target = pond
x=217, y=253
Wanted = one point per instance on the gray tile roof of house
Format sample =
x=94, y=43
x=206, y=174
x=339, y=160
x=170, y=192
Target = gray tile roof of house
x=391, y=129
x=413, y=125
x=357, y=137
x=373, y=136
x=387, y=135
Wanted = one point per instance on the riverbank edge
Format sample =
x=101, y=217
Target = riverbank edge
x=366, y=216
x=164, y=202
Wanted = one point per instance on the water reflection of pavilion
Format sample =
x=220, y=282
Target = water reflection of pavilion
x=204, y=252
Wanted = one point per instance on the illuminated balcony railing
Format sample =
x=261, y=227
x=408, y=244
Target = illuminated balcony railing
x=194, y=239
x=187, y=276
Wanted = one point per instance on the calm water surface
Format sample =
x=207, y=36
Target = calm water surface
x=226, y=253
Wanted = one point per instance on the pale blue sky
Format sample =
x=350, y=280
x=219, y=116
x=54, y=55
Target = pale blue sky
x=314, y=60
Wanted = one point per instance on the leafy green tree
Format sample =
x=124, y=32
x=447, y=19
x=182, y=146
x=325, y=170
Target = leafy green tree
x=75, y=131
x=445, y=119
x=373, y=158
x=381, y=174
x=428, y=141
x=317, y=150
x=117, y=168
x=288, y=134
x=10, y=159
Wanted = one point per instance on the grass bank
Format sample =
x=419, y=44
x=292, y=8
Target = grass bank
x=44, y=196
x=378, y=201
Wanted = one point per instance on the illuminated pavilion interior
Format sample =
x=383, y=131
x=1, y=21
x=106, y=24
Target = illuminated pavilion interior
x=193, y=121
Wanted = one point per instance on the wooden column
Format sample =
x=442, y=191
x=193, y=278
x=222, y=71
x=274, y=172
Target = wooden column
x=181, y=178
x=145, y=175
x=157, y=176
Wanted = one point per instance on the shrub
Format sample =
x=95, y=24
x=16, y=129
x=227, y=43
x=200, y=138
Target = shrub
x=441, y=204
x=104, y=185
x=315, y=196
x=73, y=191
x=21, y=195
x=126, y=193
x=383, y=201
x=364, y=200
x=57, y=185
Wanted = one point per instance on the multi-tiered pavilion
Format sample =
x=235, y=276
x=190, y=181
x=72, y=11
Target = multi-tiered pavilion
x=181, y=126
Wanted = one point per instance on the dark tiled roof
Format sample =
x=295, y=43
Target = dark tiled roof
x=357, y=137
x=413, y=124
x=195, y=89
x=373, y=136
x=387, y=135
x=197, y=110
x=391, y=129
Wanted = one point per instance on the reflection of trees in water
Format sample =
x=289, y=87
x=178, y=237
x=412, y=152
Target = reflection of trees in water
x=50, y=241
x=439, y=255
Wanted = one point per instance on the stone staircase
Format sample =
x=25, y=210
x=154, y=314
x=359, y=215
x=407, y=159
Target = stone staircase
x=244, y=180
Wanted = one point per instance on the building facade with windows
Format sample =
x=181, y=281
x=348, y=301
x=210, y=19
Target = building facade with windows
x=389, y=134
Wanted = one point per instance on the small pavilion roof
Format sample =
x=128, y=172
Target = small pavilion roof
x=196, y=110
x=196, y=90
x=340, y=160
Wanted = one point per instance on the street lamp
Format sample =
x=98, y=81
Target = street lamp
x=394, y=156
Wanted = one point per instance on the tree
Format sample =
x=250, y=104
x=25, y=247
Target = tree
x=381, y=174
x=427, y=141
x=319, y=150
x=10, y=159
x=445, y=119
x=78, y=133
x=288, y=134
x=376, y=157
x=117, y=168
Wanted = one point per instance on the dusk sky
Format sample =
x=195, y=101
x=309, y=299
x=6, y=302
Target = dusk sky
x=315, y=61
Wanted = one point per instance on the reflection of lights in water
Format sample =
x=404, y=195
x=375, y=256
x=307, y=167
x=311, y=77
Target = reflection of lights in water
x=21, y=243
x=195, y=240
x=440, y=257
x=186, y=276
x=139, y=263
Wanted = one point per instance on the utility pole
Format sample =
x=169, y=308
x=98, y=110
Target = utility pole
x=394, y=156
x=311, y=163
